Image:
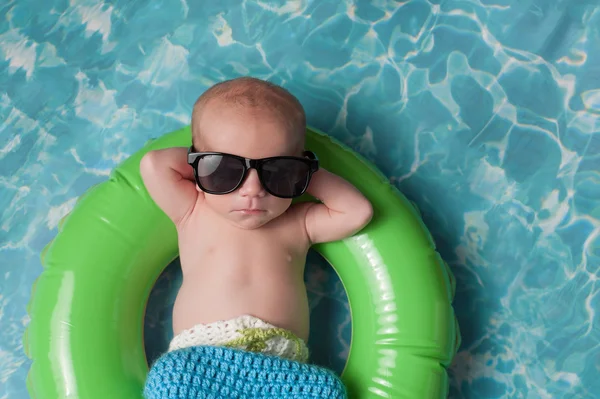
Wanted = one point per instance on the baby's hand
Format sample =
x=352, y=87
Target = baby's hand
x=170, y=181
x=344, y=210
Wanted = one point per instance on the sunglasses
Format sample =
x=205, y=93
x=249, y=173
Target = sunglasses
x=283, y=177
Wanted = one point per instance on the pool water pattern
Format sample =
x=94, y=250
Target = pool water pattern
x=485, y=113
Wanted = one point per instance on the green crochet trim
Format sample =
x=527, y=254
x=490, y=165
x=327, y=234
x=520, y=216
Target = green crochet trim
x=255, y=339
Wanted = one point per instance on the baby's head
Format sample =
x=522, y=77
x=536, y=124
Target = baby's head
x=253, y=119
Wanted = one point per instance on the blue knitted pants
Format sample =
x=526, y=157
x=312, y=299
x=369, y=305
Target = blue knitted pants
x=220, y=373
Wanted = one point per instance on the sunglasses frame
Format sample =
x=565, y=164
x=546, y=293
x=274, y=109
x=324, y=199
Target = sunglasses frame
x=310, y=159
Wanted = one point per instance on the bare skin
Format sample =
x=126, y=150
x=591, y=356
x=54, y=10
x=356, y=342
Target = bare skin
x=244, y=252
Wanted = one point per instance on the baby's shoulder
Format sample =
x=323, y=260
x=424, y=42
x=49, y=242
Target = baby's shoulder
x=293, y=220
x=295, y=213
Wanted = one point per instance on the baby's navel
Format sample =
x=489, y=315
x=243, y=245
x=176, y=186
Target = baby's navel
x=289, y=258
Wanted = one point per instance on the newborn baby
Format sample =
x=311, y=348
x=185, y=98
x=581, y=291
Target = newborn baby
x=242, y=243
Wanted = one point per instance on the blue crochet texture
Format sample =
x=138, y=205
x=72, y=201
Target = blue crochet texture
x=220, y=373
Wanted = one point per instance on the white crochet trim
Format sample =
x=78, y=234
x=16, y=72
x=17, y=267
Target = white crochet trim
x=222, y=333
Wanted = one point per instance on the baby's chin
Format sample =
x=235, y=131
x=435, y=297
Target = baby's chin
x=250, y=222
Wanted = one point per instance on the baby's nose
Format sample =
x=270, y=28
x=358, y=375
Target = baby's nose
x=251, y=187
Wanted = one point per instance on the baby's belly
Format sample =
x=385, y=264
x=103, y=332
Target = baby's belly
x=274, y=293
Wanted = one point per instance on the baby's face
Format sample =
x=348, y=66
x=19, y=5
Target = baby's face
x=249, y=134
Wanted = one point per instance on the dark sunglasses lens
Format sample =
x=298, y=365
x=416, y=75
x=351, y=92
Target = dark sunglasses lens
x=219, y=173
x=285, y=177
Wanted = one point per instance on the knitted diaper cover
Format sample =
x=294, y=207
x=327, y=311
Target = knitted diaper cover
x=246, y=332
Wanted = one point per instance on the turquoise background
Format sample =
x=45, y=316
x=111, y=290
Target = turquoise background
x=486, y=113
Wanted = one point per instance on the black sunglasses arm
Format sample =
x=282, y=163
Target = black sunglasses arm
x=314, y=164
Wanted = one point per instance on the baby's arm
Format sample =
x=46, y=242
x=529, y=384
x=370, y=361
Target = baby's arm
x=170, y=181
x=343, y=211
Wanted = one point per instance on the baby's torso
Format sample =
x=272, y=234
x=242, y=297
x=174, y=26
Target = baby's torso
x=229, y=272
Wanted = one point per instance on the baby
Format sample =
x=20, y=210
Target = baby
x=242, y=243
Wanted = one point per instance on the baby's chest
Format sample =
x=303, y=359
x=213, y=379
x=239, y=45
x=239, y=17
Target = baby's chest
x=240, y=241
x=233, y=245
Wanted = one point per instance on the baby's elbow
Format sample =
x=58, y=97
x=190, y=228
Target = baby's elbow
x=148, y=165
x=368, y=212
x=364, y=214
x=147, y=162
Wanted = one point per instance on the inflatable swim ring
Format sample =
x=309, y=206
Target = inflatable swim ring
x=85, y=336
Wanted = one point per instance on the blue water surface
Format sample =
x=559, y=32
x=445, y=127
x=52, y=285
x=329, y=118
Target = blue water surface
x=485, y=113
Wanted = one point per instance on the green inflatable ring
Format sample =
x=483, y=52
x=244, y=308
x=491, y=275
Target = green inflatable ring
x=85, y=337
